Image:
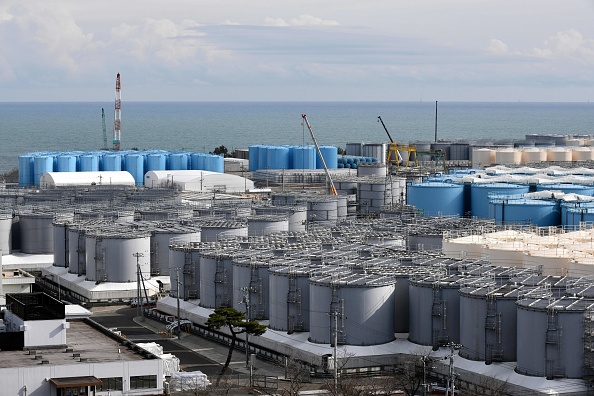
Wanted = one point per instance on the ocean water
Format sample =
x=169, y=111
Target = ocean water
x=203, y=126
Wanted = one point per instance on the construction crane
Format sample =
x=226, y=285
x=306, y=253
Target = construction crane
x=394, y=158
x=104, y=129
x=117, y=118
x=332, y=188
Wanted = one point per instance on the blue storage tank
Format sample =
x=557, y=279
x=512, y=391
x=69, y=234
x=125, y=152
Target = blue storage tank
x=263, y=157
x=135, y=166
x=156, y=161
x=89, y=162
x=253, y=154
x=178, y=161
x=574, y=213
x=480, y=195
x=216, y=163
x=436, y=199
x=330, y=154
x=66, y=163
x=112, y=163
x=304, y=157
x=197, y=161
x=277, y=157
x=567, y=188
x=538, y=212
x=26, y=170
x=41, y=165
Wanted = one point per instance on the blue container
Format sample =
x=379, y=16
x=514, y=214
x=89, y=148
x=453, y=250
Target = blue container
x=41, y=165
x=26, y=172
x=567, y=188
x=216, y=163
x=135, y=166
x=156, y=162
x=340, y=165
x=572, y=217
x=436, y=199
x=263, y=157
x=112, y=162
x=253, y=156
x=350, y=160
x=277, y=157
x=481, y=194
x=330, y=154
x=538, y=212
x=66, y=163
x=304, y=157
x=178, y=161
x=354, y=166
x=89, y=163
x=197, y=161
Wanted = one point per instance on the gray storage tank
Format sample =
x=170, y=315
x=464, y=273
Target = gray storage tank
x=488, y=314
x=434, y=310
x=61, y=243
x=251, y=284
x=261, y=225
x=160, y=239
x=212, y=231
x=216, y=279
x=552, y=336
x=37, y=233
x=360, y=307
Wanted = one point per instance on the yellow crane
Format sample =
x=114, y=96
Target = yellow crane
x=332, y=188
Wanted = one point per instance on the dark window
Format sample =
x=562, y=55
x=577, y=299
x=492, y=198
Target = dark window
x=110, y=384
x=143, y=382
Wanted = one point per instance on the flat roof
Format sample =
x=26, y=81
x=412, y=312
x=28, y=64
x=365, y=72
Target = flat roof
x=92, y=345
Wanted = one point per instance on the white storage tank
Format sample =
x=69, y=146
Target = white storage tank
x=378, y=169
x=296, y=215
x=375, y=150
x=470, y=246
x=375, y=192
x=160, y=239
x=119, y=249
x=533, y=155
x=323, y=210
x=559, y=154
x=364, y=305
x=482, y=157
x=582, y=154
x=6, y=232
x=216, y=279
x=552, y=261
x=508, y=156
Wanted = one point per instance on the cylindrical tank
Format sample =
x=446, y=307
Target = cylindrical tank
x=89, y=162
x=119, y=251
x=277, y=157
x=218, y=230
x=304, y=157
x=324, y=210
x=178, y=161
x=551, y=261
x=534, y=155
x=375, y=150
x=296, y=215
x=567, y=188
x=489, y=332
x=251, y=280
x=135, y=166
x=480, y=195
x=434, y=311
x=26, y=170
x=330, y=154
x=359, y=306
x=42, y=164
x=76, y=250
x=538, y=212
x=5, y=233
x=582, y=154
x=66, y=163
x=160, y=238
x=372, y=169
x=551, y=336
x=347, y=186
x=354, y=149
x=436, y=199
x=508, y=156
x=216, y=279
x=559, y=154
x=254, y=152
x=267, y=224
x=197, y=161
x=61, y=243
x=36, y=232
x=112, y=162
x=375, y=192
x=482, y=156
x=156, y=161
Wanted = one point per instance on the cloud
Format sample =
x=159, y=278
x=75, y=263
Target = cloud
x=303, y=20
x=497, y=47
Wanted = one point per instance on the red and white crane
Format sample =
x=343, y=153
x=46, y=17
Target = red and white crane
x=117, y=118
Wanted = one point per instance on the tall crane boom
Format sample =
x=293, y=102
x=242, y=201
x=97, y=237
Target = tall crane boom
x=332, y=188
x=117, y=117
x=104, y=129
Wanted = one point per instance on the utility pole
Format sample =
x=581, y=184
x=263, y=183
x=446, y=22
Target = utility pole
x=450, y=385
x=436, y=121
x=178, y=311
x=248, y=357
x=335, y=314
x=138, y=293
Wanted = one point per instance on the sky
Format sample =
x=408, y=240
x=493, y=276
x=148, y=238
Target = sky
x=297, y=50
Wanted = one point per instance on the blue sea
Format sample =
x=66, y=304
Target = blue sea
x=203, y=126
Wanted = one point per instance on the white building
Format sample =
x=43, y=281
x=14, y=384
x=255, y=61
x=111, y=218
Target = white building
x=45, y=353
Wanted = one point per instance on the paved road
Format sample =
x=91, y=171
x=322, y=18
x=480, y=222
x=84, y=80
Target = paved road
x=122, y=318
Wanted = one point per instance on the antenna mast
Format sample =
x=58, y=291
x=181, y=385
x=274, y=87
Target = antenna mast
x=117, y=119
